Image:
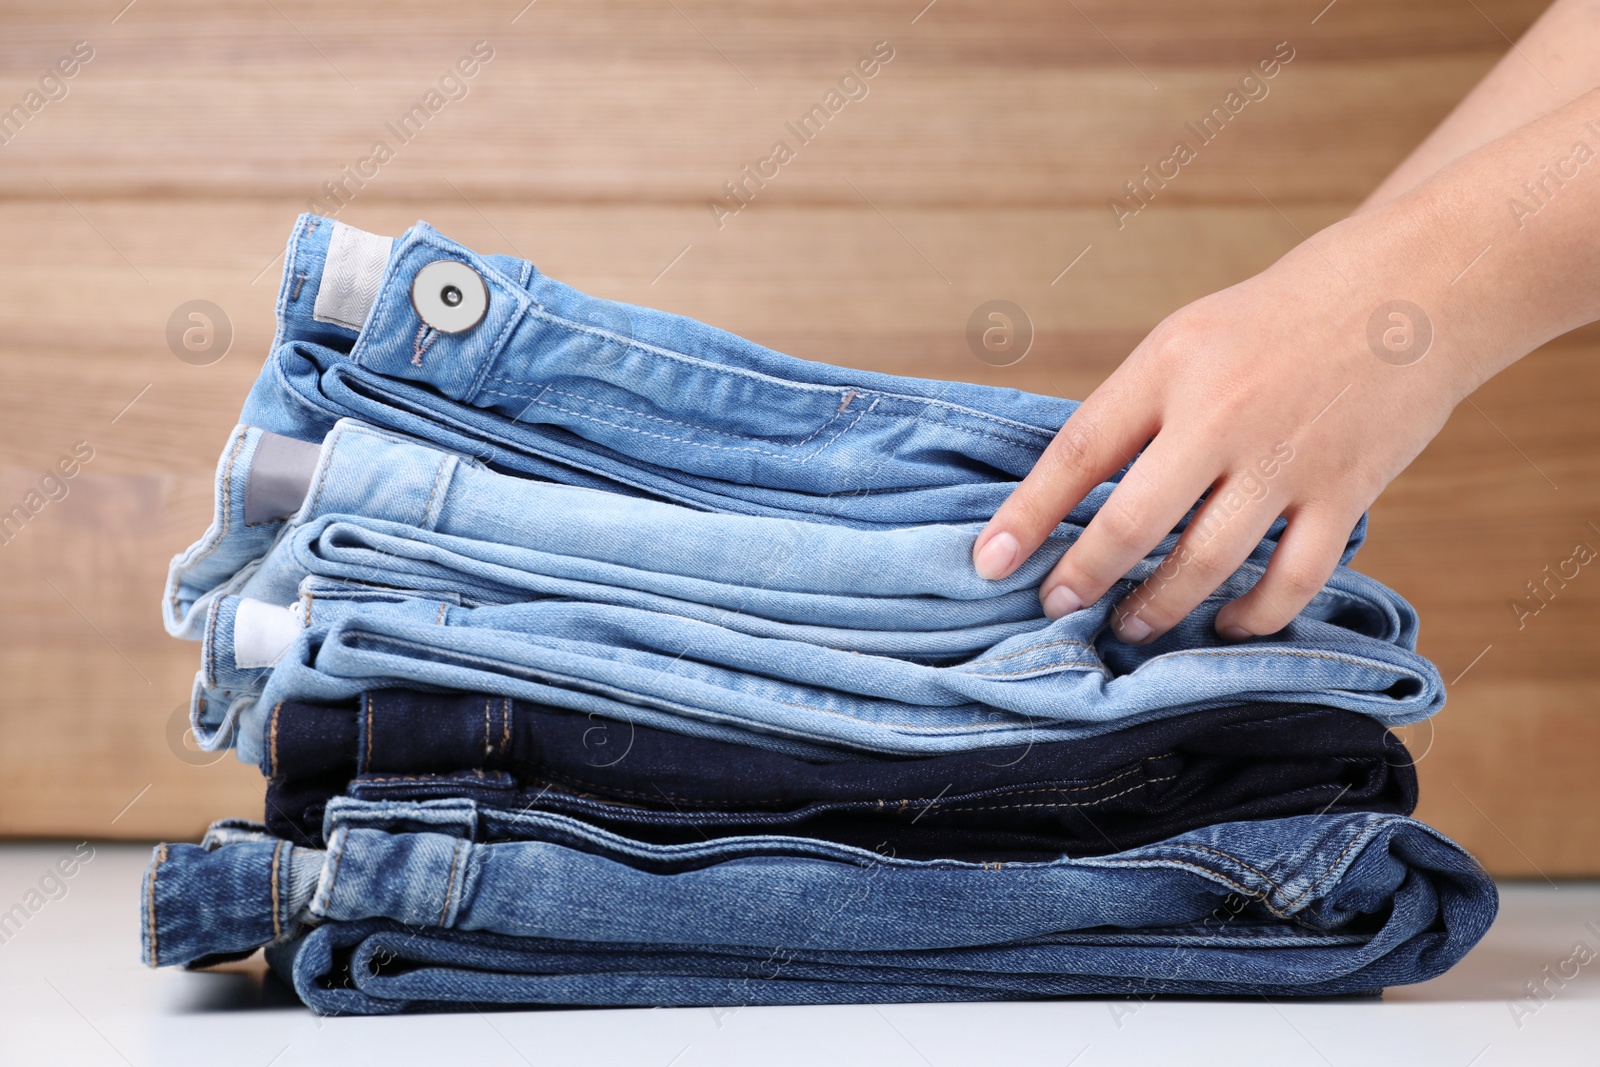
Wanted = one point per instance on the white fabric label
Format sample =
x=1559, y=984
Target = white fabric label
x=262, y=632
x=351, y=277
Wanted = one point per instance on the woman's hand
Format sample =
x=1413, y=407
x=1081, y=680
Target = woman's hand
x=1303, y=391
x=1269, y=396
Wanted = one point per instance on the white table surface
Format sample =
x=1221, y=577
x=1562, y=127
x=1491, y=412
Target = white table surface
x=72, y=991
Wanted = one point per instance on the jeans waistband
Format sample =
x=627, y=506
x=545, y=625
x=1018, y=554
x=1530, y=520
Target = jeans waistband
x=556, y=384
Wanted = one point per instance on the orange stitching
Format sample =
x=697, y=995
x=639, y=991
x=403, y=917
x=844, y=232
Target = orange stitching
x=272, y=739
x=277, y=927
x=450, y=885
x=505, y=727
x=150, y=907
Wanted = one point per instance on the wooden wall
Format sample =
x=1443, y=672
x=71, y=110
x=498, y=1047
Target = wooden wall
x=978, y=167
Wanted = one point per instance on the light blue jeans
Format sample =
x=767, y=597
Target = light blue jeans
x=825, y=634
x=523, y=908
x=570, y=388
x=1059, y=680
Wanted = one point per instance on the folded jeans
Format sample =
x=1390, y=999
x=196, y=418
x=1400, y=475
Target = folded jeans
x=1088, y=797
x=556, y=384
x=1311, y=905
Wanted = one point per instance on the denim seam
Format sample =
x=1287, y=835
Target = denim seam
x=450, y=883
x=291, y=258
x=227, y=517
x=1254, y=723
x=272, y=740
x=513, y=322
x=209, y=647
x=1093, y=785
x=958, y=806
x=655, y=418
x=700, y=444
x=881, y=722
x=369, y=734
x=1326, y=874
x=871, y=409
x=335, y=852
x=769, y=380
x=1276, y=886
x=506, y=711
x=386, y=391
x=1352, y=660
x=603, y=790
x=488, y=745
x=642, y=415
x=376, y=640
x=277, y=920
x=150, y=904
x=428, y=521
x=329, y=443
x=1033, y=648
x=1053, y=807
x=1035, y=669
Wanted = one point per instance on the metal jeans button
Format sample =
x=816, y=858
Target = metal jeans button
x=449, y=296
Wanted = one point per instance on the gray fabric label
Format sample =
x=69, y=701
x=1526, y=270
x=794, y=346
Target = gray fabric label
x=280, y=477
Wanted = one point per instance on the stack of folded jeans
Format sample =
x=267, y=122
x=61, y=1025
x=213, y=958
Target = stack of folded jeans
x=596, y=656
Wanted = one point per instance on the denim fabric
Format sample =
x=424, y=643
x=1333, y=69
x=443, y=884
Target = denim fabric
x=439, y=521
x=903, y=604
x=1307, y=905
x=567, y=387
x=1091, y=797
x=385, y=510
x=1067, y=678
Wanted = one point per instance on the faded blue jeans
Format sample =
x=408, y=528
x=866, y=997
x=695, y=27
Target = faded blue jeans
x=444, y=903
x=879, y=638
x=723, y=678
x=559, y=385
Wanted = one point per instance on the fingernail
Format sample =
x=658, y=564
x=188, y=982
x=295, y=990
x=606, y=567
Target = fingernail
x=1061, y=601
x=994, y=559
x=1236, y=633
x=1133, y=630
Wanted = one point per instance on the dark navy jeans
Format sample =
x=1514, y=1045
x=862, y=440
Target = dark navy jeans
x=1089, y=797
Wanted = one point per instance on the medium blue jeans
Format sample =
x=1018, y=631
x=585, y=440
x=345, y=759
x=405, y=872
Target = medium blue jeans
x=539, y=908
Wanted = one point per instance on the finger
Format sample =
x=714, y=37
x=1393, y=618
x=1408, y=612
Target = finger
x=1096, y=442
x=1223, y=533
x=1161, y=486
x=1306, y=556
